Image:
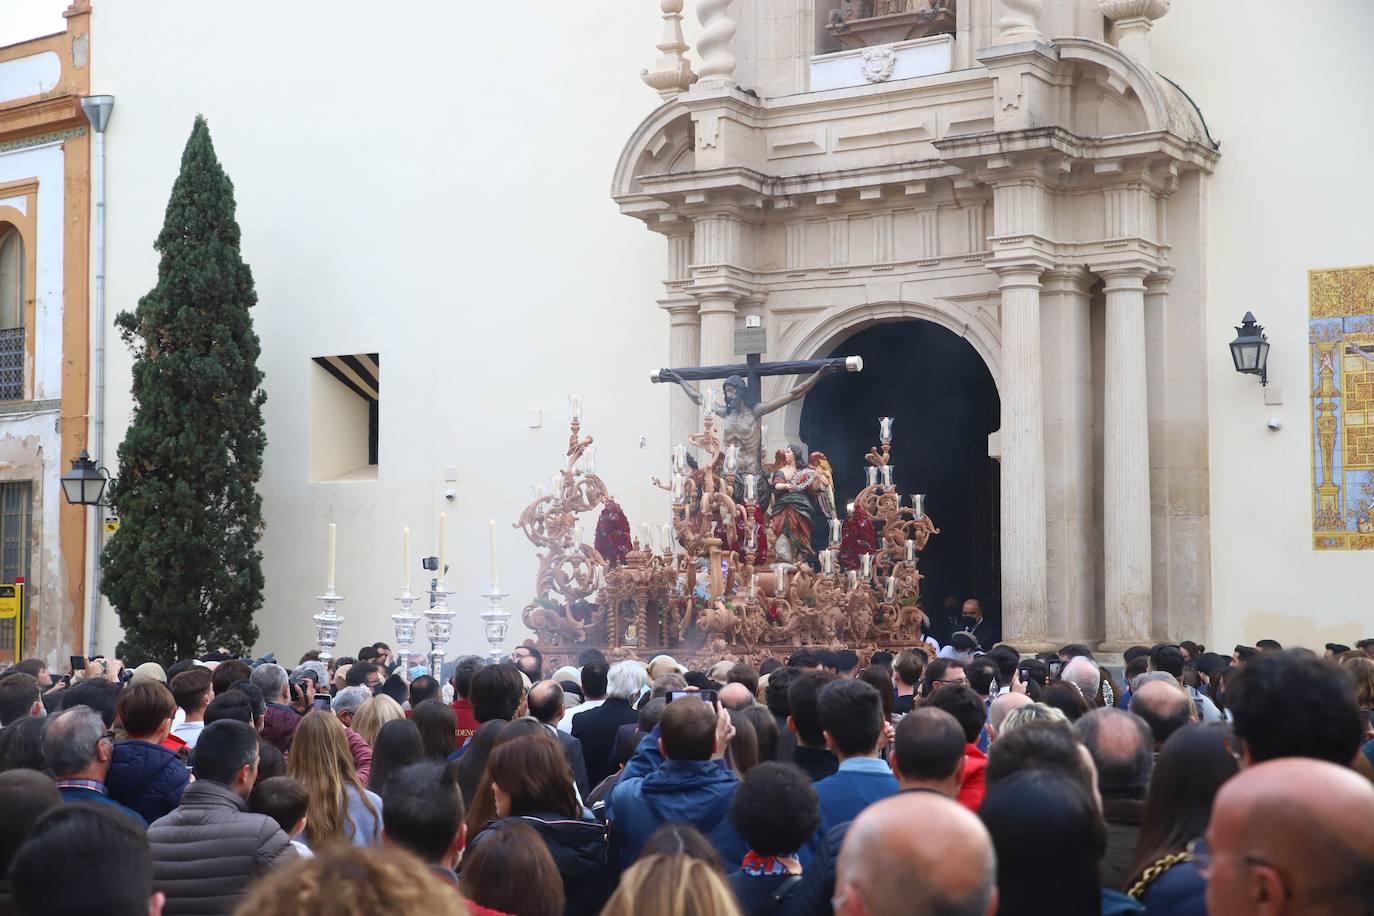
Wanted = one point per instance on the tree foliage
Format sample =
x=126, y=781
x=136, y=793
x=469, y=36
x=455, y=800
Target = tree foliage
x=184, y=569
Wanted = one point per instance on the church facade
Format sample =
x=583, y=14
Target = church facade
x=1086, y=196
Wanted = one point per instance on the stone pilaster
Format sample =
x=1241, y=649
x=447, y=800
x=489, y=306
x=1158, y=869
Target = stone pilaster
x=717, y=310
x=1126, y=462
x=1068, y=385
x=1024, y=582
x=684, y=349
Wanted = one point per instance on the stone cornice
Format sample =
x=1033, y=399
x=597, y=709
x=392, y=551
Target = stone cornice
x=983, y=154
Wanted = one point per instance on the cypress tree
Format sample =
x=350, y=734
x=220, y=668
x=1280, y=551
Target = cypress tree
x=184, y=569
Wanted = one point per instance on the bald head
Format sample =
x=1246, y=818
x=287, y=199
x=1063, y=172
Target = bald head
x=736, y=696
x=545, y=702
x=1293, y=835
x=1164, y=707
x=946, y=867
x=1122, y=748
x=1004, y=704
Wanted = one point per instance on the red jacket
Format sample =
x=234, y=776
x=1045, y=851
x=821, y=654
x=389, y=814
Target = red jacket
x=467, y=723
x=362, y=754
x=974, y=786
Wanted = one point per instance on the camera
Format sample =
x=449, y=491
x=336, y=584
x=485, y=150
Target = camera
x=430, y=563
x=1275, y=423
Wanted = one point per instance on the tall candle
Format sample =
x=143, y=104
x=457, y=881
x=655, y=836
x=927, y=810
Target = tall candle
x=443, y=525
x=405, y=557
x=910, y=550
x=329, y=575
x=491, y=529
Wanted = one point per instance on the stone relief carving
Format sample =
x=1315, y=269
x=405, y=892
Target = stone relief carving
x=879, y=63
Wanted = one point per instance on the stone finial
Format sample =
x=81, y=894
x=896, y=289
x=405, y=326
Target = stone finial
x=717, y=30
x=672, y=73
x=1131, y=24
x=1020, y=22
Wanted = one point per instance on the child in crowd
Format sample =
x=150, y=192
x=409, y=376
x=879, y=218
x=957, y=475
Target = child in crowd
x=284, y=800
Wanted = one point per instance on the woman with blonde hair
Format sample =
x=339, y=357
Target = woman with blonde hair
x=353, y=882
x=341, y=809
x=672, y=886
x=373, y=714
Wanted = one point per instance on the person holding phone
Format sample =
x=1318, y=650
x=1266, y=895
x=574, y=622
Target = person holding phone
x=691, y=786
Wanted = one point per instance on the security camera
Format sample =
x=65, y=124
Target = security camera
x=1275, y=423
x=450, y=495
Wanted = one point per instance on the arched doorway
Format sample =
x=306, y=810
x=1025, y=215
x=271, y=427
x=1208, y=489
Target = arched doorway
x=944, y=402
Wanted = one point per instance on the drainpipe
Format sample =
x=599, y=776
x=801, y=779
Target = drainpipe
x=97, y=109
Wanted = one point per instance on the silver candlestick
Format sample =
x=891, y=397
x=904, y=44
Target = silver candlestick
x=438, y=628
x=404, y=622
x=327, y=623
x=495, y=621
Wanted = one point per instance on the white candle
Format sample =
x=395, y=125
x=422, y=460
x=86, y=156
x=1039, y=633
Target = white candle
x=910, y=550
x=892, y=588
x=491, y=528
x=329, y=575
x=443, y=524
x=405, y=557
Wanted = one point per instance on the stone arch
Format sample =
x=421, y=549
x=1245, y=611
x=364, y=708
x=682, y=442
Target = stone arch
x=816, y=339
x=1162, y=105
x=663, y=143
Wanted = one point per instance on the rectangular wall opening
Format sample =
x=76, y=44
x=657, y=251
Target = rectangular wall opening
x=345, y=395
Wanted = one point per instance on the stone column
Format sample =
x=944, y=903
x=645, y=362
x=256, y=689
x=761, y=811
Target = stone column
x=1126, y=462
x=684, y=349
x=1068, y=384
x=1024, y=596
x=717, y=311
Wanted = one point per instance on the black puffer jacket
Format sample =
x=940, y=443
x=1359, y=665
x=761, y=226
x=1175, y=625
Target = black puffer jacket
x=207, y=852
x=147, y=778
x=579, y=850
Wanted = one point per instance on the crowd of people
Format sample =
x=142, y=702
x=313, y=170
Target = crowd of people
x=957, y=783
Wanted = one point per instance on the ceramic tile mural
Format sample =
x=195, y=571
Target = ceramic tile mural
x=1341, y=336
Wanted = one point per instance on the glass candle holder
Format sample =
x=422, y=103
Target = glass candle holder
x=731, y=459
x=679, y=487
x=589, y=460
x=827, y=558
x=886, y=471
x=751, y=488
x=837, y=530
x=680, y=458
x=871, y=473
x=575, y=402
x=866, y=566
x=918, y=505
x=599, y=579
x=891, y=588
x=667, y=542
x=646, y=536
x=853, y=580
x=779, y=579
x=885, y=430
x=708, y=402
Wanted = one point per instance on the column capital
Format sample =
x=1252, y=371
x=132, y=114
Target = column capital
x=1068, y=277
x=681, y=310
x=1125, y=277
x=1159, y=281
x=1023, y=275
x=719, y=289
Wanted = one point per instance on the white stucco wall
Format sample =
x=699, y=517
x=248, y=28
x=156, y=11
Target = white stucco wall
x=433, y=188
x=1286, y=93
x=30, y=444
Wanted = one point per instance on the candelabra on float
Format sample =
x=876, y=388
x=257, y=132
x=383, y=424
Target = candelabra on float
x=438, y=628
x=495, y=621
x=328, y=621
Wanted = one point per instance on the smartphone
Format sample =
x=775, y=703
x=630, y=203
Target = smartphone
x=1055, y=667
x=1024, y=674
x=705, y=696
x=78, y=663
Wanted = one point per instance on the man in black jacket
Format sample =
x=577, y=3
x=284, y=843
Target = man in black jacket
x=208, y=851
x=546, y=704
x=804, y=721
x=596, y=728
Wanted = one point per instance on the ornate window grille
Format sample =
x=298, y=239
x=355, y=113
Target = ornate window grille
x=11, y=364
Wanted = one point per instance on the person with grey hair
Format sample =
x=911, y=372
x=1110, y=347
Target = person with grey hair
x=280, y=720
x=1122, y=748
x=1031, y=712
x=1083, y=673
x=596, y=728
x=78, y=750
x=344, y=706
x=887, y=867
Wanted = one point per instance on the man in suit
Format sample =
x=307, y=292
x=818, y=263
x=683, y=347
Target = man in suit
x=546, y=704
x=851, y=714
x=596, y=728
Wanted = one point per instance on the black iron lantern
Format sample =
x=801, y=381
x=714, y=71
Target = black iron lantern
x=1250, y=349
x=84, y=484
